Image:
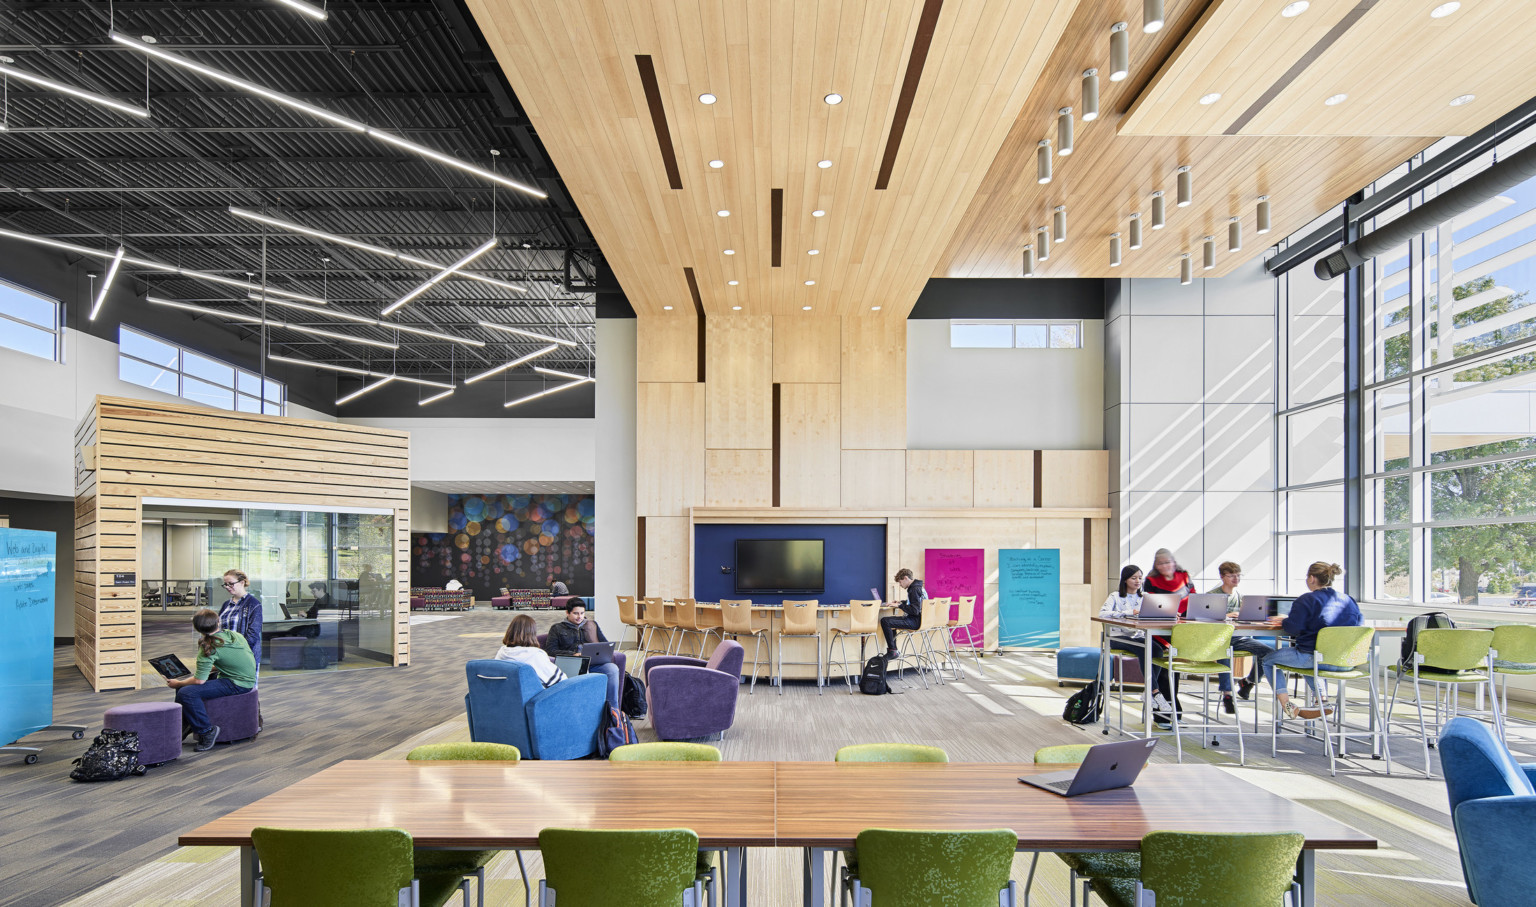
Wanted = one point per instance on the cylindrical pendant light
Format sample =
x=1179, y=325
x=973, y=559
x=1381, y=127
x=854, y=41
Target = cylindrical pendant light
x=1262, y=213
x=1059, y=224
x=1029, y=260
x=1064, y=131
x=1119, y=52
x=1090, y=95
x=1043, y=243
x=1151, y=16
x=1114, y=250
x=1235, y=235
x=1186, y=187
x=1186, y=271
x=1043, y=162
x=1159, y=211
x=1135, y=236
x=1208, y=253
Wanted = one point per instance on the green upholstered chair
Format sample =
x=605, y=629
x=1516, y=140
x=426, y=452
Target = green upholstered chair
x=652, y=868
x=1197, y=649
x=1451, y=658
x=353, y=868
x=1342, y=654
x=1186, y=869
x=435, y=867
x=1084, y=866
x=891, y=752
x=1514, y=653
x=678, y=752
x=902, y=868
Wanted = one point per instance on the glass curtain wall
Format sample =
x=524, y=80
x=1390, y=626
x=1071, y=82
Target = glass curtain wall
x=1448, y=409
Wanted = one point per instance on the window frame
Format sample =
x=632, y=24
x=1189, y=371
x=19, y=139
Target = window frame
x=270, y=407
x=1049, y=324
x=56, y=329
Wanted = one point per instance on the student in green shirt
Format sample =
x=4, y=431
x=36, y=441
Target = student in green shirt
x=225, y=667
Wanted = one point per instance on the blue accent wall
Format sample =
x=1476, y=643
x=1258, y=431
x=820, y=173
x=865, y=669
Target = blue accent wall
x=855, y=559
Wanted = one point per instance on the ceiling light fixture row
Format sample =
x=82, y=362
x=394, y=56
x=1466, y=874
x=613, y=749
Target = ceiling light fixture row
x=26, y=76
x=547, y=391
x=310, y=10
x=1029, y=260
x=271, y=322
x=360, y=319
x=1186, y=270
x=349, y=370
x=1114, y=250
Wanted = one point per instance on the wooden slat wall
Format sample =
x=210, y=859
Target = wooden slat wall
x=149, y=449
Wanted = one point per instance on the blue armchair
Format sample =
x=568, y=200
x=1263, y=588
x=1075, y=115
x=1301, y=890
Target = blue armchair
x=690, y=697
x=507, y=704
x=1493, y=809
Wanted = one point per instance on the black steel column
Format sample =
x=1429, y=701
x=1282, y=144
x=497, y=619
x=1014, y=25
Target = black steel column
x=1354, y=402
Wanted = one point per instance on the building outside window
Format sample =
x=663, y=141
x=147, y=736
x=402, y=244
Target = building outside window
x=1055, y=335
x=150, y=362
x=29, y=323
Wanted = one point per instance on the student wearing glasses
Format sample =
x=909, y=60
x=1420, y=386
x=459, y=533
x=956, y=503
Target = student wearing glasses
x=242, y=613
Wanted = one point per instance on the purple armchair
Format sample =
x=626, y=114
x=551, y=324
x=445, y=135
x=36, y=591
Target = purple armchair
x=690, y=697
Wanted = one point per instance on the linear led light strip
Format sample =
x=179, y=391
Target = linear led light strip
x=117, y=260
x=303, y=329
x=441, y=276
x=368, y=247
x=313, y=12
x=365, y=389
x=157, y=266
x=319, y=112
x=91, y=96
x=348, y=370
x=559, y=374
x=360, y=319
x=537, y=336
x=506, y=365
x=436, y=397
x=544, y=393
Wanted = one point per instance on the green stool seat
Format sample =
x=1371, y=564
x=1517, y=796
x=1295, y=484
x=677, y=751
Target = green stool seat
x=882, y=752
x=665, y=752
x=439, y=868
x=906, y=868
x=1109, y=864
x=644, y=868
x=1500, y=666
x=464, y=752
x=354, y=868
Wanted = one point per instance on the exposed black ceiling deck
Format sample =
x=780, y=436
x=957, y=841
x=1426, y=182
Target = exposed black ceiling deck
x=74, y=171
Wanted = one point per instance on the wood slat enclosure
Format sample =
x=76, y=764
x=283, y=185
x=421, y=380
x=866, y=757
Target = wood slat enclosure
x=127, y=450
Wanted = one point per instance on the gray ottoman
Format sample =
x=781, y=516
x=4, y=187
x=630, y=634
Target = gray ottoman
x=286, y=652
x=158, y=725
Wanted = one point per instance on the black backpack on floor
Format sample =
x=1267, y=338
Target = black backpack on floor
x=614, y=731
x=111, y=756
x=1434, y=620
x=632, y=700
x=872, y=679
x=1083, y=707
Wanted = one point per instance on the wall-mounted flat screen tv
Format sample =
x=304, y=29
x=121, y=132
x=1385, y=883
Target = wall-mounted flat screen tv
x=780, y=566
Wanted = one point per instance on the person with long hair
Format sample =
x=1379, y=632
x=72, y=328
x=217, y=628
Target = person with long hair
x=1125, y=603
x=1168, y=577
x=225, y=667
x=521, y=644
x=242, y=613
x=1322, y=606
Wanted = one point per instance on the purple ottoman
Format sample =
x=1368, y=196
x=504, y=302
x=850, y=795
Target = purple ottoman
x=158, y=725
x=238, y=716
x=501, y=602
x=286, y=652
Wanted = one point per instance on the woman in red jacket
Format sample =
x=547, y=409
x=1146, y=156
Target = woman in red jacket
x=1168, y=576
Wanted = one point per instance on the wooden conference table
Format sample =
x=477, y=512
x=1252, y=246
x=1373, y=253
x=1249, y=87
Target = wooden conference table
x=736, y=805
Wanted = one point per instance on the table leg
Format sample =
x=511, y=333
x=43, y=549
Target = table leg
x=736, y=877
x=1306, y=876
x=1105, y=673
x=1147, y=686
x=249, y=897
x=815, y=886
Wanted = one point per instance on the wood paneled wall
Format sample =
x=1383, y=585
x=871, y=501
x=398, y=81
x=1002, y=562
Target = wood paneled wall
x=127, y=450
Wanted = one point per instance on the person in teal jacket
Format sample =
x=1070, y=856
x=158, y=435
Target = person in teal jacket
x=225, y=667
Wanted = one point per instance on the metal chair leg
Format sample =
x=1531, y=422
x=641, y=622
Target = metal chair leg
x=522, y=870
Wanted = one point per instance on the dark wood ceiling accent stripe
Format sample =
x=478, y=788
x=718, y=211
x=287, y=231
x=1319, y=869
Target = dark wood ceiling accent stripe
x=640, y=557
x=1088, y=564
x=776, y=414
x=659, y=118
x=1300, y=66
x=698, y=310
x=925, y=25
x=1039, y=475
x=776, y=219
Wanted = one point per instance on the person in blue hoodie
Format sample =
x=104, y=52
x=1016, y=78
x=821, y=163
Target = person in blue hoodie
x=1322, y=606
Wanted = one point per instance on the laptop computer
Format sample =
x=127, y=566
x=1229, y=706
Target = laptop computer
x=169, y=666
x=1255, y=609
x=1159, y=606
x=1108, y=766
x=875, y=595
x=572, y=665
x=1207, y=606
x=598, y=653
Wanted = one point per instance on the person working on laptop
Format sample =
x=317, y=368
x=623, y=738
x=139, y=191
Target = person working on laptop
x=225, y=667
x=521, y=644
x=566, y=637
x=1126, y=603
x=1231, y=575
x=1322, y=606
x=1167, y=576
x=911, y=616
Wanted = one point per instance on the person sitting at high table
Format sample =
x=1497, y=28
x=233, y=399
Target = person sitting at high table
x=1125, y=603
x=1169, y=578
x=1322, y=606
x=225, y=667
x=566, y=637
x=911, y=616
x=521, y=644
x=1231, y=575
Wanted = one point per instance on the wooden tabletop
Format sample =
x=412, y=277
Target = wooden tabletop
x=475, y=805
x=815, y=809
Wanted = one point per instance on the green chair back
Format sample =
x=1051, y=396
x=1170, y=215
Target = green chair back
x=464, y=752
x=354, y=868
x=1189, y=869
x=664, y=752
x=1067, y=754
x=922, y=868
x=1515, y=643
x=1202, y=641
x=1345, y=647
x=1454, y=650
x=635, y=868
x=891, y=752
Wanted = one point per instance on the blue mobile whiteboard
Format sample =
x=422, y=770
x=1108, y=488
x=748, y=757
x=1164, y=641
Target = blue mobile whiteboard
x=26, y=646
x=1029, y=597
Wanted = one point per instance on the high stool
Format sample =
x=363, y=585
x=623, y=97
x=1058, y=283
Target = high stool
x=653, y=617
x=686, y=619
x=1197, y=648
x=934, y=615
x=1342, y=654
x=863, y=623
x=238, y=716
x=158, y=725
x=965, y=614
x=736, y=619
x=629, y=616
x=799, y=619
x=1453, y=658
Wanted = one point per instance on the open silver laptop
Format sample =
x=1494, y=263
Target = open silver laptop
x=1108, y=766
x=1255, y=609
x=598, y=653
x=1159, y=606
x=1207, y=606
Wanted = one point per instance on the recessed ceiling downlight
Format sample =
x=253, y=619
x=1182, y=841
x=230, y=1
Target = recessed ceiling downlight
x=1335, y=99
x=833, y=98
x=717, y=164
x=1443, y=10
x=818, y=213
x=707, y=98
x=1463, y=99
x=823, y=164
x=1292, y=10
x=1211, y=98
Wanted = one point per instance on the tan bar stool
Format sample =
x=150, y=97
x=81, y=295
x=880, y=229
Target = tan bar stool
x=736, y=619
x=653, y=617
x=799, y=619
x=934, y=615
x=863, y=623
x=962, y=621
x=686, y=618
x=629, y=616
